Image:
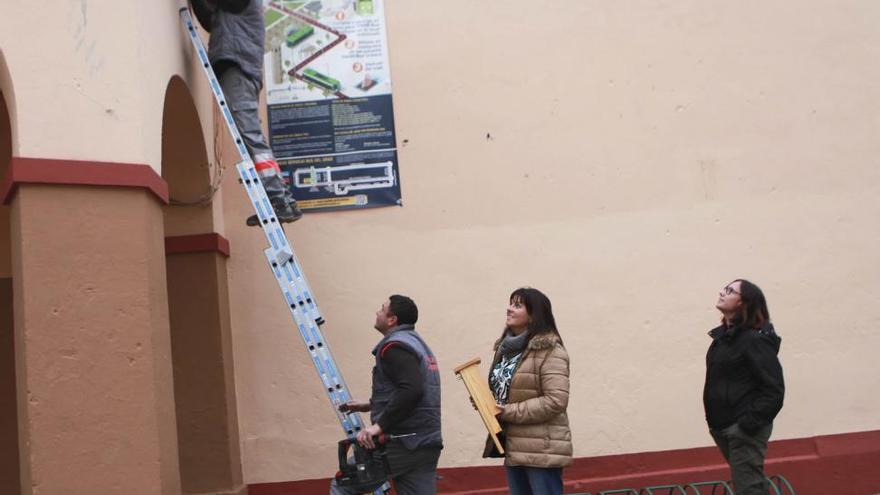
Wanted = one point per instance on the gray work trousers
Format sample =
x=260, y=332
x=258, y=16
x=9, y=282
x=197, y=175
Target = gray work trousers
x=413, y=472
x=243, y=97
x=745, y=454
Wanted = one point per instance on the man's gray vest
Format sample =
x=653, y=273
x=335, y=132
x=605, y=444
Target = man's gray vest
x=240, y=38
x=425, y=418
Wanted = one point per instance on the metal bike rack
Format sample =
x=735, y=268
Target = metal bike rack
x=718, y=488
x=663, y=490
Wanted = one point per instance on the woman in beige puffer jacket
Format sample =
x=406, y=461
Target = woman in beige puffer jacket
x=530, y=380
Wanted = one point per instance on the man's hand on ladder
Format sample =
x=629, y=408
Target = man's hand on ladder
x=355, y=406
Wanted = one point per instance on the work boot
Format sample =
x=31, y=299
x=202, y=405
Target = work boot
x=288, y=213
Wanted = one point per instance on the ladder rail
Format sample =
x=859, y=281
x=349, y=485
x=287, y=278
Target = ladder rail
x=281, y=258
x=322, y=358
x=277, y=239
x=249, y=177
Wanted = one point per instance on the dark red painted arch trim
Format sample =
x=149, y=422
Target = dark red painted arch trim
x=85, y=173
x=198, y=243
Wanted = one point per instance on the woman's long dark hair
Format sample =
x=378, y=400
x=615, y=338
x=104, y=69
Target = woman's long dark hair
x=540, y=312
x=753, y=312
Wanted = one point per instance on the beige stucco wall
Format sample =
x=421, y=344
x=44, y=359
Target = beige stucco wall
x=92, y=85
x=629, y=159
x=98, y=62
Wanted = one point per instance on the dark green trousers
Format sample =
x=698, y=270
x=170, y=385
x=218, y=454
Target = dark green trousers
x=745, y=454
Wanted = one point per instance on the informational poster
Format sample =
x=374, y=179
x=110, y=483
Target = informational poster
x=328, y=87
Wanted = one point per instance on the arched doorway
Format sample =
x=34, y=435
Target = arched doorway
x=204, y=390
x=9, y=453
x=185, y=164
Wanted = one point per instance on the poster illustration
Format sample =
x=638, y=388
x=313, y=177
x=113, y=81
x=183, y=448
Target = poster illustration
x=328, y=87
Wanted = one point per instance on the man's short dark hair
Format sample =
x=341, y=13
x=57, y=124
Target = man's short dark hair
x=404, y=309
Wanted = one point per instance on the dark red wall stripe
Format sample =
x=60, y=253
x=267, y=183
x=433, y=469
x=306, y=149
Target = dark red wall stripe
x=199, y=243
x=844, y=464
x=86, y=173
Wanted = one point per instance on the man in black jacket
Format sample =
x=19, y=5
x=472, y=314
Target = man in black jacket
x=744, y=387
x=405, y=401
x=238, y=38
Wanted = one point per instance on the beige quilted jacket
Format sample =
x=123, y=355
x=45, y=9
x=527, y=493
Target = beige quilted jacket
x=534, y=419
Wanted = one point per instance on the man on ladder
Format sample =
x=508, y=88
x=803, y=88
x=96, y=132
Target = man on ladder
x=238, y=38
x=237, y=55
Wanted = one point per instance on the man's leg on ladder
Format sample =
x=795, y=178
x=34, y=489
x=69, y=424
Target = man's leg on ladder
x=243, y=97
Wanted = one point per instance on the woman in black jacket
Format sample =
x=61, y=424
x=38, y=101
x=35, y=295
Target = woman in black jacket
x=744, y=385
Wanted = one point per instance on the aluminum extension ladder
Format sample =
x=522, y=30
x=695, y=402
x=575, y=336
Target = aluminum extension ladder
x=281, y=258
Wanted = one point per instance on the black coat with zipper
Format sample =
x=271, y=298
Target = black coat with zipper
x=744, y=382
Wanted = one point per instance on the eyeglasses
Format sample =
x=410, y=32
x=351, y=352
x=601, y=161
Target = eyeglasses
x=729, y=290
